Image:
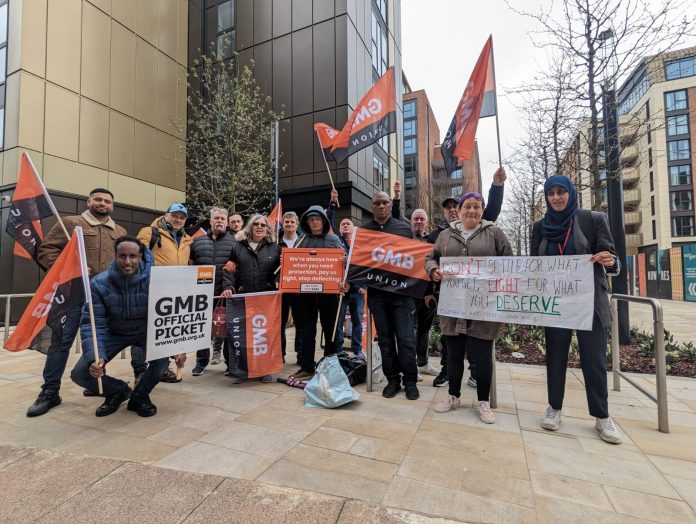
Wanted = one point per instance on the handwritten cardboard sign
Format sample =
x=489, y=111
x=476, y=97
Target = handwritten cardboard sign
x=306, y=270
x=543, y=291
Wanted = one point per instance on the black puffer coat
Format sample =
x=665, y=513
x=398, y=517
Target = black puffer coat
x=256, y=268
x=206, y=251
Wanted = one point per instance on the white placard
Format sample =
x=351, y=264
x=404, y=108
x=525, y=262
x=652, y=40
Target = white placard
x=544, y=291
x=179, y=310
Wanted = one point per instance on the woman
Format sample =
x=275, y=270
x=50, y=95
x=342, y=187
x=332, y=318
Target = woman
x=566, y=230
x=467, y=236
x=255, y=258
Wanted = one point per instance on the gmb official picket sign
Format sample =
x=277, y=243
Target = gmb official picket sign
x=180, y=310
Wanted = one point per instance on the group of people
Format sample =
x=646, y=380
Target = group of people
x=247, y=256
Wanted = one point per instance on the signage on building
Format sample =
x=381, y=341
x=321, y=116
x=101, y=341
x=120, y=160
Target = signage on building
x=689, y=268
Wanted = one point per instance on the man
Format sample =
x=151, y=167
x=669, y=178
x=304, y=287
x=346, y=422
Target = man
x=236, y=223
x=119, y=298
x=425, y=307
x=313, y=305
x=450, y=208
x=213, y=249
x=355, y=296
x=288, y=239
x=393, y=313
x=100, y=231
x=170, y=246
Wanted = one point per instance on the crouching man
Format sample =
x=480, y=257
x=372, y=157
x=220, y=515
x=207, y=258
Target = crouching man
x=119, y=297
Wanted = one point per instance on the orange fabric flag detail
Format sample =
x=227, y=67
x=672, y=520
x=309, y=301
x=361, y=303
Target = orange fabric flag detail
x=61, y=289
x=275, y=217
x=253, y=331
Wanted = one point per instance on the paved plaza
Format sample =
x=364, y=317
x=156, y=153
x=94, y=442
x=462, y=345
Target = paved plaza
x=254, y=453
x=679, y=318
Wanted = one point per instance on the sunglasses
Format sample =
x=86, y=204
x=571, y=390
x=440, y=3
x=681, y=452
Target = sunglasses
x=259, y=224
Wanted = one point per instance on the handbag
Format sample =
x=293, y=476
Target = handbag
x=219, y=329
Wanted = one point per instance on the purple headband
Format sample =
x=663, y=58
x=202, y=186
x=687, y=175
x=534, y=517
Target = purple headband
x=472, y=194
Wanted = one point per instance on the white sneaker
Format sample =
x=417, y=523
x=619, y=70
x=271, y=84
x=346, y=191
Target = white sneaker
x=216, y=358
x=419, y=378
x=471, y=382
x=429, y=369
x=607, y=430
x=552, y=419
x=485, y=413
x=448, y=404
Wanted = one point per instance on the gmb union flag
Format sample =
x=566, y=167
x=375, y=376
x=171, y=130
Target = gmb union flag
x=253, y=332
x=389, y=262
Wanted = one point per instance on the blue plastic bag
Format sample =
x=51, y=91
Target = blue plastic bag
x=329, y=388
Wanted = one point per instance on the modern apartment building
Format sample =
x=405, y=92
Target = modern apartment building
x=426, y=182
x=93, y=90
x=315, y=59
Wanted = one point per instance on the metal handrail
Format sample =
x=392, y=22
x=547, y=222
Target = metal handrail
x=8, y=306
x=660, y=363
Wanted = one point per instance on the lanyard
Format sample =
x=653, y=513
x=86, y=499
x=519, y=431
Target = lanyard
x=561, y=248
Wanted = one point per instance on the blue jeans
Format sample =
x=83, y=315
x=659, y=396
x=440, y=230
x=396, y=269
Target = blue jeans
x=394, y=317
x=113, y=346
x=356, y=302
x=59, y=351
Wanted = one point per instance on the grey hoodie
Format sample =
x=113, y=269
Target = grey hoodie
x=325, y=239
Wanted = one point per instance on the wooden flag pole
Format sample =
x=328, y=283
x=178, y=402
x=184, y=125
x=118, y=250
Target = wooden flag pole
x=100, y=386
x=345, y=276
x=495, y=99
x=328, y=170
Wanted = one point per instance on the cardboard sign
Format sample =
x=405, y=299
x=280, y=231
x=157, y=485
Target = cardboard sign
x=544, y=291
x=180, y=310
x=306, y=270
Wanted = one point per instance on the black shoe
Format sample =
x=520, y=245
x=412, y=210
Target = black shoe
x=441, y=379
x=113, y=402
x=47, y=399
x=391, y=389
x=411, y=391
x=169, y=377
x=90, y=393
x=142, y=406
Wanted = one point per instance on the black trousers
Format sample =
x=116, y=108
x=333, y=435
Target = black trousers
x=593, y=360
x=311, y=307
x=424, y=321
x=289, y=303
x=457, y=347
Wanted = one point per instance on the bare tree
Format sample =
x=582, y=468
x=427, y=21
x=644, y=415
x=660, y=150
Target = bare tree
x=603, y=41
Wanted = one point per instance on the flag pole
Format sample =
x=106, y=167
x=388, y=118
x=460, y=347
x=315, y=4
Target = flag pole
x=88, y=299
x=495, y=100
x=328, y=170
x=345, y=276
x=48, y=198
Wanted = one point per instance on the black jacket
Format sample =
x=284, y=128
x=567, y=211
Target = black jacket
x=587, y=240
x=206, y=251
x=326, y=239
x=255, y=268
x=393, y=226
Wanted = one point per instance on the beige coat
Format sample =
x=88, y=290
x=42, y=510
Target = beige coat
x=167, y=252
x=99, y=241
x=489, y=240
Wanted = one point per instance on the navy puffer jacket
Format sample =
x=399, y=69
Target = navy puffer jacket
x=120, y=307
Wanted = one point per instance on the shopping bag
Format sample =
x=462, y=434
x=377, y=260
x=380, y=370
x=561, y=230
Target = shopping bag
x=329, y=388
x=220, y=320
x=354, y=367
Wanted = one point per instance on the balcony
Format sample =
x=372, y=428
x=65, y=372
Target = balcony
x=630, y=174
x=633, y=241
x=632, y=196
x=634, y=218
x=629, y=155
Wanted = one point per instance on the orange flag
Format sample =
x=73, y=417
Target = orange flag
x=200, y=233
x=62, y=288
x=30, y=203
x=326, y=135
x=253, y=330
x=275, y=217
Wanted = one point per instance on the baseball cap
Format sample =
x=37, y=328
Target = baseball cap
x=447, y=200
x=178, y=208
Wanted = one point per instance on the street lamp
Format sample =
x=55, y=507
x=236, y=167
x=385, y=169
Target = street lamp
x=614, y=181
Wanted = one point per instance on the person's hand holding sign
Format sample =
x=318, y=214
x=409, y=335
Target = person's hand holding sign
x=227, y=293
x=436, y=275
x=605, y=258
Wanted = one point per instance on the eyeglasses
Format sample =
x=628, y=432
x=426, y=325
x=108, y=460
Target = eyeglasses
x=259, y=224
x=560, y=192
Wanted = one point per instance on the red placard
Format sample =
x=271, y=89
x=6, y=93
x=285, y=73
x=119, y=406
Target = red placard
x=306, y=270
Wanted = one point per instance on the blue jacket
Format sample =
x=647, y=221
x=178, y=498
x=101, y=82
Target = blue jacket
x=120, y=306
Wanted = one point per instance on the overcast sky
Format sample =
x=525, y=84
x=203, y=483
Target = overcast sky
x=441, y=40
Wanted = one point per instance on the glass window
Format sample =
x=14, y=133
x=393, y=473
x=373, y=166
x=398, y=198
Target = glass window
x=681, y=201
x=409, y=146
x=3, y=24
x=677, y=125
x=3, y=60
x=636, y=92
x=457, y=191
x=409, y=181
x=652, y=205
x=2, y=128
x=680, y=68
x=456, y=174
x=675, y=101
x=410, y=165
x=410, y=109
x=225, y=18
x=683, y=226
x=225, y=44
x=679, y=175
x=380, y=53
x=409, y=128
x=678, y=150
x=383, y=9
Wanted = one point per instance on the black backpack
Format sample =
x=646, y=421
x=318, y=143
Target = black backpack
x=155, y=238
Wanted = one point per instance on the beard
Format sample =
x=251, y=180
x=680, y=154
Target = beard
x=100, y=211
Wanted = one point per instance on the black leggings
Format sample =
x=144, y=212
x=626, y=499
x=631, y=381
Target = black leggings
x=457, y=346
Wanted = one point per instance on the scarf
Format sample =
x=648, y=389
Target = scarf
x=555, y=224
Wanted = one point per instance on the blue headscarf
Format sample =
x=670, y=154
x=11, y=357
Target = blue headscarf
x=555, y=224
